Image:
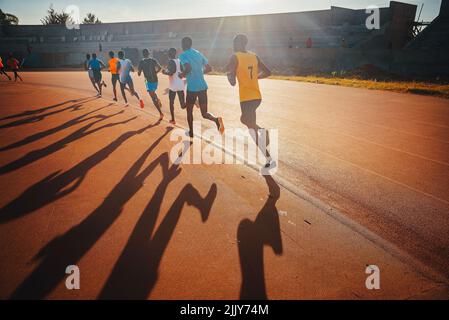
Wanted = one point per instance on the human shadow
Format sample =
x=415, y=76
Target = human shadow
x=252, y=237
x=136, y=270
x=75, y=107
x=46, y=133
x=83, y=132
x=58, y=185
x=69, y=248
x=37, y=111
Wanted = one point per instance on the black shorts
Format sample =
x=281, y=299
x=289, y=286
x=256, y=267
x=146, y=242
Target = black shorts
x=249, y=111
x=97, y=75
x=172, y=95
x=192, y=96
x=115, y=78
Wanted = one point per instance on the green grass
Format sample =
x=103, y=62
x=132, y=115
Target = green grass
x=422, y=88
x=403, y=86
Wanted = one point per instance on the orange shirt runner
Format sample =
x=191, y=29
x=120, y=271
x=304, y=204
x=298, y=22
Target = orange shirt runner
x=113, y=65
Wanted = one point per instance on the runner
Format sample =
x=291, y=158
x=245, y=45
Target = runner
x=151, y=68
x=245, y=66
x=14, y=64
x=2, y=69
x=96, y=65
x=177, y=85
x=124, y=68
x=90, y=72
x=194, y=65
x=114, y=73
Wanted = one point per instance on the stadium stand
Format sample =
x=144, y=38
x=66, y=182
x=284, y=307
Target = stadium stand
x=340, y=38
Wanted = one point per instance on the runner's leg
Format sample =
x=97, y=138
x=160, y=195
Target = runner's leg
x=131, y=89
x=182, y=99
x=99, y=81
x=4, y=72
x=122, y=89
x=190, y=102
x=114, y=84
x=92, y=80
x=202, y=97
x=171, y=97
x=156, y=101
x=249, y=119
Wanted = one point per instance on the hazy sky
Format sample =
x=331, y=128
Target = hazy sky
x=31, y=11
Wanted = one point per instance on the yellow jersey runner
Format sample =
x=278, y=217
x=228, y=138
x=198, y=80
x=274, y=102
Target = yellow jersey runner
x=248, y=76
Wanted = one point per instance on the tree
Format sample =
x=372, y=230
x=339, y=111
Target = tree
x=54, y=17
x=8, y=19
x=91, y=19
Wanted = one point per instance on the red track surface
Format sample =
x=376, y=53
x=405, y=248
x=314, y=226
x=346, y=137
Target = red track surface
x=380, y=158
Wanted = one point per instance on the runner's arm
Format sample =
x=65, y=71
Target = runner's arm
x=139, y=68
x=158, y=67
x=264, y=71
x=186, y=68
x=206, y=66
x=207, y=69
x=171, y=68
x=231, y=69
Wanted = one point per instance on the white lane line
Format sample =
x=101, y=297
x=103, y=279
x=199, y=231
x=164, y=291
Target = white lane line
x=339, y=216
x=352, y=164
x=241, y=158
x=333, y=212
x=378, y=144
x=377, y=174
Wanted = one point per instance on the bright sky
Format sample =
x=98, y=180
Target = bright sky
x=31, y=11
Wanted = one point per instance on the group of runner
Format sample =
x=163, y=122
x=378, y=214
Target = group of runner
x=187, y=72
x=13, y=65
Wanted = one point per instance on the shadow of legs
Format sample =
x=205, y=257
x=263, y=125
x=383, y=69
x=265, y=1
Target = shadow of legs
x=252, y=237
x=136, y=271
x=55, y=185
x=69, y=248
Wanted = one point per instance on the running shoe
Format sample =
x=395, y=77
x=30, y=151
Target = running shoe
x=270, y=165
x=221, y=127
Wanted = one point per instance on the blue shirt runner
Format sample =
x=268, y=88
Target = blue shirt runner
x=197, y=61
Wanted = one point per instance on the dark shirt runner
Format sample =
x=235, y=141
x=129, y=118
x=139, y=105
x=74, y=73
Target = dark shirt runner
x=149, y=66
x=171, y=67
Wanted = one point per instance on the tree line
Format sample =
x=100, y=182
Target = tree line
x=53, y=17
